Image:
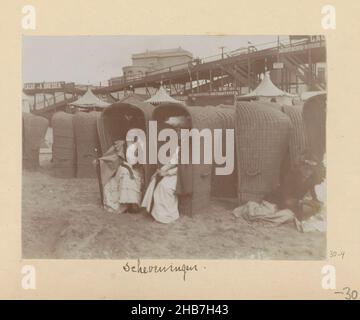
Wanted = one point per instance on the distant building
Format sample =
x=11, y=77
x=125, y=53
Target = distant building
x=115, y=81
x=150, y=61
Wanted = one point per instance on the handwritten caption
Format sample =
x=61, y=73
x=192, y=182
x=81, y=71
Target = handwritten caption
x=337, y=254
x=349, y=294
x=140, y=268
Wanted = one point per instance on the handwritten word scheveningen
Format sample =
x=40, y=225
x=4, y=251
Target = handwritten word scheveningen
x=138, y=268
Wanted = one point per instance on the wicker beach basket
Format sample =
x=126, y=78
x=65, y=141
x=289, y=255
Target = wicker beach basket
x=202, y=174
x=314, y=115
x=112, y=124
x=64, y=147
x=225, y=186
x=34, y=131
x=297, y=141
x=87, y=143
x=202, y=118
x=262, y=138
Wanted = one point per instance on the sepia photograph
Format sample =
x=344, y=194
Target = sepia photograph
x=174, y=147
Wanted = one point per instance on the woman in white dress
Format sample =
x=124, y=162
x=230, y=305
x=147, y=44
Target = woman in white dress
x=165, y=201
x=122, y=190
x=161, y=198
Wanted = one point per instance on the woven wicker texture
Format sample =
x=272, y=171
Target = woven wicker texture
x=225, y=185
x=34, y=130
x=314, y=115
x=202, y=118
x=297, y=142
x=64, y=150
x=273, y=105
x=262, y=138
x=112, y=124
x=203, y=181
x=87, y=143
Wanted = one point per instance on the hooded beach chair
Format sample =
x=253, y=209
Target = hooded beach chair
x=87, y=143
x=113, y=124
x=64, y=147
x=262, y=139
x=34, y=131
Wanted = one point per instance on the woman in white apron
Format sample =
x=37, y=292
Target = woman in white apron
x=123, y=191
x=165, y=201
x=160, y=198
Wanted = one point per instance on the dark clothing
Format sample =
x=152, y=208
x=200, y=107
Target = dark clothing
x=299, y=182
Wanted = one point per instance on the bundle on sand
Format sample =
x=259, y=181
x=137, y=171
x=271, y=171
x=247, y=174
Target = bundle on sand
x=262, y=139
x=64, y=151
x=34, y=131
x=314, y=115
x=297, y=143
x=87, y=143
x=225, y=185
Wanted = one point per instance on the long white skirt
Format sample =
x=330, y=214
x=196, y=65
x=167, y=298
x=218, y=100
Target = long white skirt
x=165, y=208
x=122, y=190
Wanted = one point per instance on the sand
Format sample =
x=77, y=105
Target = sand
x=63, y=219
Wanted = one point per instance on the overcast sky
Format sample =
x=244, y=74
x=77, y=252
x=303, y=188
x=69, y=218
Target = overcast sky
x=91, y=59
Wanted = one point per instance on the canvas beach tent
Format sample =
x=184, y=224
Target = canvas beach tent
x=90, y=101
x=161, y=96
x=266, y=91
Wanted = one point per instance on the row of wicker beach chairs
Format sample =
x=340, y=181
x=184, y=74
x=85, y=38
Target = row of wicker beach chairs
x=268, y=139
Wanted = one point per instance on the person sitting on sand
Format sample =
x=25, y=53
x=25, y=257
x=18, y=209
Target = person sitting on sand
x=165, y=207
x=122, y=177
x=161, y=197
x=299, y=182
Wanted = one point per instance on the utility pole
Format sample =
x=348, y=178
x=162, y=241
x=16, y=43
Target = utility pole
x=222, y=51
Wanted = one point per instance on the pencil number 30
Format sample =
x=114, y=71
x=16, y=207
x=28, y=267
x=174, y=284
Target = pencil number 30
x=350, y=294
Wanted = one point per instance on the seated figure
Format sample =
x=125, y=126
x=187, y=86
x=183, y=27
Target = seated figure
x=122, y=178
x=161, y=197
x=297, y=191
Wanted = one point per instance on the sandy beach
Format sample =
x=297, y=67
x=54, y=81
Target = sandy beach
x=63, y=219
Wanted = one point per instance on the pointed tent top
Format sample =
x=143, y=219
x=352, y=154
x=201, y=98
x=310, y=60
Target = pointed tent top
x=89, y=99
x=162, y=96
x=308, y=94
x=266, y=88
